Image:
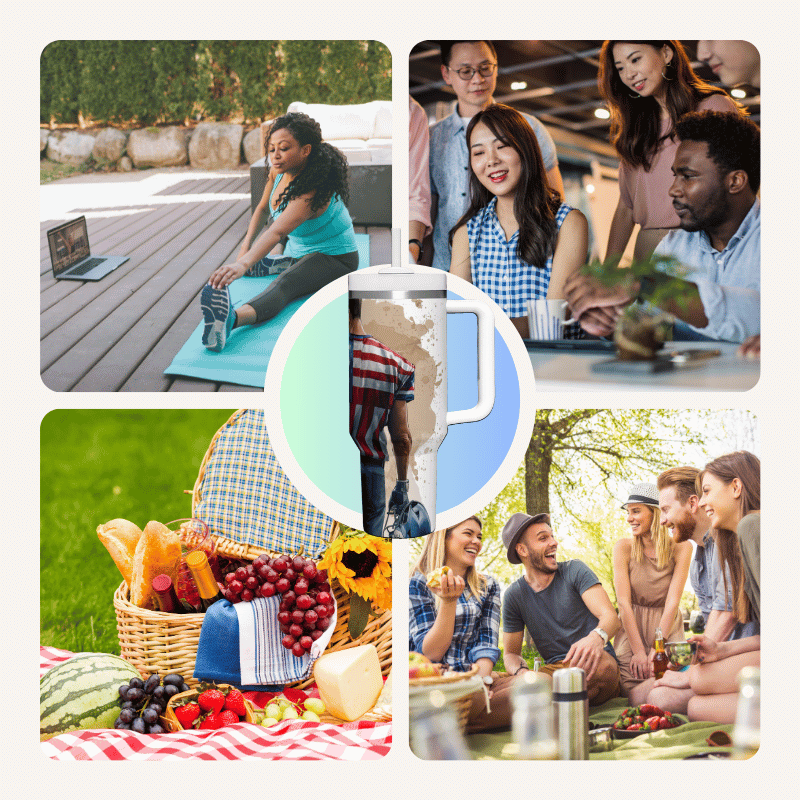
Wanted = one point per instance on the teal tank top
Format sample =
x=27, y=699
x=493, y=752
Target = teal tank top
x=331, y=232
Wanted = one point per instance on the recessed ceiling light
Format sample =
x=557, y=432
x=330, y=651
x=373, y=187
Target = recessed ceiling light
x=602, y=113
x=740, y=93
x=519, y=85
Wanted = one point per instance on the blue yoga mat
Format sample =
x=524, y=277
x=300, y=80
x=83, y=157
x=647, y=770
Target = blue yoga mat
x=248, y=349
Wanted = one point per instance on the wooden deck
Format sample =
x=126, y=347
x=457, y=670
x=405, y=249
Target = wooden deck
x=120, y=333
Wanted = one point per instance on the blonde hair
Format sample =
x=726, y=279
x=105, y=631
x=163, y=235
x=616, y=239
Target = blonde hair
x=433, y=558
x=662, y=541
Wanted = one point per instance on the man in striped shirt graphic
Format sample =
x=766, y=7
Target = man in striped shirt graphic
x=381, y=383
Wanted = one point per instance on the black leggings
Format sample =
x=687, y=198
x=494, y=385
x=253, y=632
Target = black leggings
x=306, y=276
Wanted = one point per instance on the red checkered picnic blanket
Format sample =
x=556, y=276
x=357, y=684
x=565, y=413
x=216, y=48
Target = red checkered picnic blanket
x=290, y=740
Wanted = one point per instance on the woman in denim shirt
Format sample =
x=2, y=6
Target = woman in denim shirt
x=454, y=616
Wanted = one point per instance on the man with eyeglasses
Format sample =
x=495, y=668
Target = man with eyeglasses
x=471, y=69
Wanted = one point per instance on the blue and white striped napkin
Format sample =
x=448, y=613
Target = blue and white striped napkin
x=263, y=660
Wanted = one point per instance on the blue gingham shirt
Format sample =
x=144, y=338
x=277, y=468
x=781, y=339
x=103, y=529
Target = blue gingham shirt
x=449, y=163
x=477, y=627
x=729, y=281
x=497, y=268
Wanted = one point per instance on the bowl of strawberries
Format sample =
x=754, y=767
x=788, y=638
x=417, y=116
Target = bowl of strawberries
x=646, y=718
x=210, y=706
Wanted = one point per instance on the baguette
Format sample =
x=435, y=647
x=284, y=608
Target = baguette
x=120, y=538
x=158, y=551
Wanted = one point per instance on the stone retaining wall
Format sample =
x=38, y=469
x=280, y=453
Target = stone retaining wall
x=211, y=145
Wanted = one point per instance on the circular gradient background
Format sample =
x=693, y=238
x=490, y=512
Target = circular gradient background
x=306, y=396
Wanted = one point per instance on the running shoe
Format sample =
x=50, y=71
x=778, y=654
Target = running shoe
x=218, y=316
x=269, y=266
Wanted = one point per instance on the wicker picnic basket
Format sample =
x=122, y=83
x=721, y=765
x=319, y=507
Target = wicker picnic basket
x=157, y=642
x=457, y=689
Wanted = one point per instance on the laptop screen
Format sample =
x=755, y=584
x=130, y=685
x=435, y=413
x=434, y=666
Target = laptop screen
x=69, y=243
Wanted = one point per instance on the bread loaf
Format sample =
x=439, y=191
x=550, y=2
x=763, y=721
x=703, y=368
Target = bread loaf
x=120, y=538
x=158, y=551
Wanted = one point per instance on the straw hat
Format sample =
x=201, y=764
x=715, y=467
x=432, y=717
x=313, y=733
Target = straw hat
x=645, y=494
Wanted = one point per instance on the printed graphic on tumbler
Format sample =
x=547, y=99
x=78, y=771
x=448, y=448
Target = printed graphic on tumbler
x=392, y=364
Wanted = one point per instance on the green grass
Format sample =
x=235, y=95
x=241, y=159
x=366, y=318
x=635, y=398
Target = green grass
x=97, y=466
x=52, y=171
x=528, y=653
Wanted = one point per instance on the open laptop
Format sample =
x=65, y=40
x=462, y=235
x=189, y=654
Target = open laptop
x=70, y=256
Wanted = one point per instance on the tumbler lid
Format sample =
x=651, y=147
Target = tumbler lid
x=390, y=283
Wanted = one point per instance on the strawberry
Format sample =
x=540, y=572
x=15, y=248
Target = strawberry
x=228, y=717
x=654, y=722
x=235, y=702
x=211, y=700
x=187, y=714
x=211, y=720
x=649, y=710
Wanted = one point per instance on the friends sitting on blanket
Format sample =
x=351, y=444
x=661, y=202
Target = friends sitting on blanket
x=564, y=607
x=729, y=492
x=305, y=198
x=454, y=617
x=650, y=570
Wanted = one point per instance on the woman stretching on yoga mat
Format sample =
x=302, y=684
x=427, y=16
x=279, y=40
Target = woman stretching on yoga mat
x=305, y=196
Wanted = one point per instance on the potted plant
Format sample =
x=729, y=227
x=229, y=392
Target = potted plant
x=643, y=327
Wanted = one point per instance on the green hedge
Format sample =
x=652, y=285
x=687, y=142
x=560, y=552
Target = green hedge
x=147, y=82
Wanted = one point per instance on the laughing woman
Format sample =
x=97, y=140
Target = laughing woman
x=305, y=196
x=730, y=493
x=517, y=241
x=650, y=573
x=454, y=616
x=649, y=86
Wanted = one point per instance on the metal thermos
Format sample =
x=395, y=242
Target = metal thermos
x=571, y=705
x=747, y=727
x=436, y=736
x=532, y=718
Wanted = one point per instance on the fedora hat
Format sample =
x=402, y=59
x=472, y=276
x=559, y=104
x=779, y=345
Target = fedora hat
x=645, y=494
x=514, y=528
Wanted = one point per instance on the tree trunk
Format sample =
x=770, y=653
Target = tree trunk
x=538, y=460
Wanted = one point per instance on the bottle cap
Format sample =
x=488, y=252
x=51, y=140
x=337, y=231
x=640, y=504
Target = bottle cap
x=162, y=583
x=196, y=559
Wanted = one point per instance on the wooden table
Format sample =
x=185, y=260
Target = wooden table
x=557, y=370
x=176, y=226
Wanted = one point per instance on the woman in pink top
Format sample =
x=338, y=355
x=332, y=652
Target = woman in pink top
x=649, y=86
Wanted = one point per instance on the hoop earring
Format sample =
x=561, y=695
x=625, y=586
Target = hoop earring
x=664, y=70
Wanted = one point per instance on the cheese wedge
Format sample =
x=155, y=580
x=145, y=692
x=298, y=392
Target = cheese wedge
x=349, y=681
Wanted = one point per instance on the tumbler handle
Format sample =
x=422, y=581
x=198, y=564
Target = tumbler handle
x=485, y=360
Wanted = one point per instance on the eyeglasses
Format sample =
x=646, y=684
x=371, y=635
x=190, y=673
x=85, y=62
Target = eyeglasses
x=466, y=73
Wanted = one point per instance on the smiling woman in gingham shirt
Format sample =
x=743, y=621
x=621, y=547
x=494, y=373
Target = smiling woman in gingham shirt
x=517, y=241
x=454, y=618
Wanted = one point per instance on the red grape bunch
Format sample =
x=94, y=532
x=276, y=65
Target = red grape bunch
x=306, y=598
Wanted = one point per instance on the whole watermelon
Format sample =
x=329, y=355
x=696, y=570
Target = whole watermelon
x=82, y=693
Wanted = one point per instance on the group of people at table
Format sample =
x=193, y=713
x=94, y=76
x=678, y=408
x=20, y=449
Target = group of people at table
x=456, y=619
x=689, y=176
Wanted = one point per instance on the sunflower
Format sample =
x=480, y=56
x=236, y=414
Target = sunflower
x=363, y=566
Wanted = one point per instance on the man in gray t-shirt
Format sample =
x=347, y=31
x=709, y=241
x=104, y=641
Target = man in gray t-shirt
x=563, y=606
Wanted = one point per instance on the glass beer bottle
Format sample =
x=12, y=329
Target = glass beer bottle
x=660, y=660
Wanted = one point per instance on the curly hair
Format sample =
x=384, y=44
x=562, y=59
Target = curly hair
x=734, y=141
x=535, y=203
x=325, y=170
x=636, y=121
